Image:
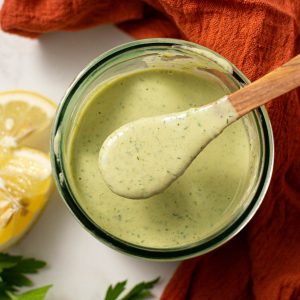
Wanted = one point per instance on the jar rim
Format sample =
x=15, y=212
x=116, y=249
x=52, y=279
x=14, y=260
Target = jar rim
x=135, y=250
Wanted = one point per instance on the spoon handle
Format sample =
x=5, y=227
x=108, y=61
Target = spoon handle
x=268, y=87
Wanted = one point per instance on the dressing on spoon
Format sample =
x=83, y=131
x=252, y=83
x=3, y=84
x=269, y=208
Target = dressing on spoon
x=142, y=158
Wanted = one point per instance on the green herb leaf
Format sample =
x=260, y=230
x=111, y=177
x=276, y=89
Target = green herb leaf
x=10, y=296
x=15, y=279
x=4, y=297
x=4, y=257
x=12, y=276
x=141, y=295
x=141, y=290
x=35, y=294
x=113, y=292
x=6, y=265
x=138, y=292
x=29, y=266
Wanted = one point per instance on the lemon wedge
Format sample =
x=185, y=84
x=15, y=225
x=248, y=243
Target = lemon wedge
x=25, y=173
x=24, y=118
x=25, y=181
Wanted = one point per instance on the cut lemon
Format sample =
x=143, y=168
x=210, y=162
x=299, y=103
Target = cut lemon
x=25, y=173
x=25, y=181
x=24, y=116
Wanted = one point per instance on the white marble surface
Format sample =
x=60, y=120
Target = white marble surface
x=79, y=267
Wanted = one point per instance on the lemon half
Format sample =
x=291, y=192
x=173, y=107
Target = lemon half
x=25, y=173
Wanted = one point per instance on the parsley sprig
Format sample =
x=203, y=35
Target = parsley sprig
x=13, y=276
x=138, y=292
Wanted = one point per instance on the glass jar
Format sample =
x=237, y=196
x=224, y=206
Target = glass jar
x=174, y=54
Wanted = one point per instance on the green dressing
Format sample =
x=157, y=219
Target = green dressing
x=199, y=203
x=143, y=157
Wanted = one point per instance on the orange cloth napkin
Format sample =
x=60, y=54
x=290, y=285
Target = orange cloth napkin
x=263, y=261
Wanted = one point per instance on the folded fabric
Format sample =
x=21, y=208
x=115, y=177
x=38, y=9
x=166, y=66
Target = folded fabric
x=263, y=261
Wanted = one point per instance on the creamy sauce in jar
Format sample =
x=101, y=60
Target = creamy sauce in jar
x=143, y=157
x=199, y=203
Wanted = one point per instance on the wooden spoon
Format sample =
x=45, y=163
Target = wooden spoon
x=268, y=87
x=142, y=158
